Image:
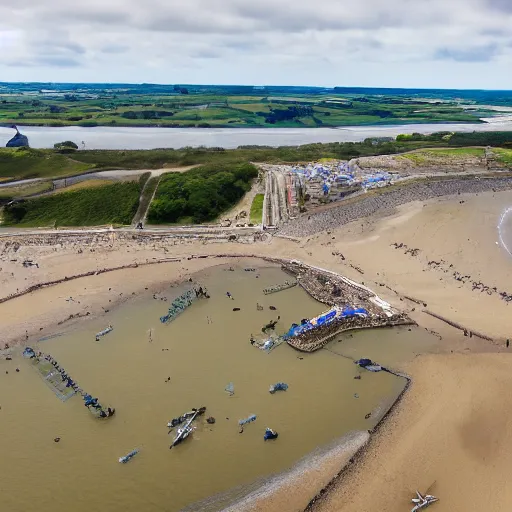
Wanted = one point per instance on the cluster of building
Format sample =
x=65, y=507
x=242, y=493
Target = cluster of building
x=334, y=179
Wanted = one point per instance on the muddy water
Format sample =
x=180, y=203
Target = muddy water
x=125, y=370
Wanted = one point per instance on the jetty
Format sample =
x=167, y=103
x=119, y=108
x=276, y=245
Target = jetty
x=279, y=287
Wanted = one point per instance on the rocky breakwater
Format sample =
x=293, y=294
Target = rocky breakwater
x=18, y=141
x=338, y=291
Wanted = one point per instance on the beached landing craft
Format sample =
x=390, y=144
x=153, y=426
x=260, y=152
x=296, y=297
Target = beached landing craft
x=422, y=502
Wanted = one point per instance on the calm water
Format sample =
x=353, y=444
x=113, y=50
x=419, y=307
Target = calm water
x=151, y=138
x=82, y=473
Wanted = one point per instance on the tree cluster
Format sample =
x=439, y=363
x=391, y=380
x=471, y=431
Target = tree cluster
x=201, y=194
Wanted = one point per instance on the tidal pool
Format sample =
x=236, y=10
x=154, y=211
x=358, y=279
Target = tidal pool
x=203, y=350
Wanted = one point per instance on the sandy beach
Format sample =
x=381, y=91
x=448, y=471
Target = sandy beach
x=452, y=427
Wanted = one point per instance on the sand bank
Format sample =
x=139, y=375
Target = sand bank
x=452, y=428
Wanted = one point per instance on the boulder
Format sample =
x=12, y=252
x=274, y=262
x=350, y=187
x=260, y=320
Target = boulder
x=18, y=141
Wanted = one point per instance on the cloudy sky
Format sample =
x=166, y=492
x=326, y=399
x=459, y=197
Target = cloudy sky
x=395, y=43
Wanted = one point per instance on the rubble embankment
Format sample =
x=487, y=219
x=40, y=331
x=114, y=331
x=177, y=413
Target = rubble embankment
x=343, y=213
x=335, y=290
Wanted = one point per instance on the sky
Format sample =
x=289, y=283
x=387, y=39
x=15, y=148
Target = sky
x=382, y=43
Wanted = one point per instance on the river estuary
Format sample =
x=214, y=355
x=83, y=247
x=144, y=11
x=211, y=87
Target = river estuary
x=150, y=138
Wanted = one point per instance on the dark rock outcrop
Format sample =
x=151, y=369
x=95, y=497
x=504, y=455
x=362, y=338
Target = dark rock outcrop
x=18, y=141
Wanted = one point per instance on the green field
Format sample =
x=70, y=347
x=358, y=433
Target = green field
x=232, y=106
x=256, y=214
x=111, y=204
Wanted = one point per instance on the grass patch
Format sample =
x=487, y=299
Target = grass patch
x=256, y=214
x=94, y=183
x=23, y=163
x=111, y=204
x=25, y=190
x=504, y=156
x=443, y=155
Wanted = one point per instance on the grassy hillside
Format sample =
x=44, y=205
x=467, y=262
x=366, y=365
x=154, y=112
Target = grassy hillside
x=22, y=163
x=111, y=204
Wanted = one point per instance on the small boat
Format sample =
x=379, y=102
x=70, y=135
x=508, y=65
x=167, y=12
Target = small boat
x=129, y=456
x=270, y=434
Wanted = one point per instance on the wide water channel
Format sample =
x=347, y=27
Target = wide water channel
x=104, y=137
x=201, y=351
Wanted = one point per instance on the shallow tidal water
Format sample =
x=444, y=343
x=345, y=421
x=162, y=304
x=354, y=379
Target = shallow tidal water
x=125, y=370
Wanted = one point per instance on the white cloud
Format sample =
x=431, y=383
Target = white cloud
x=435, y=43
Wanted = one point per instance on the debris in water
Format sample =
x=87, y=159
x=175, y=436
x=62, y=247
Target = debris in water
x=249, y=419
x=210, y=420
x=236, y=309
x=129, y=456
x=280, y=386
x=57, y=439
x=230, y=388
x=104, y=332
x=270, y=434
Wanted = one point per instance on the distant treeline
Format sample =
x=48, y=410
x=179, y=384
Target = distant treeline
x=200, y=194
